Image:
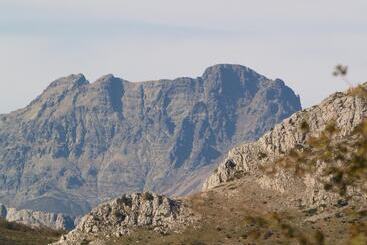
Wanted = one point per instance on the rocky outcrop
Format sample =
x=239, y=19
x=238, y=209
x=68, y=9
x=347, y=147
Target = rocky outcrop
x=37, y=219
x=122, y=215
x=79, y=143
x=248, y=159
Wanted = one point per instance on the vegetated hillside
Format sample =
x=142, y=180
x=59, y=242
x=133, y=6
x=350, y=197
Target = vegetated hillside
x=245, y=203
x=17, y=234
x=240, y=212
x=81, y=143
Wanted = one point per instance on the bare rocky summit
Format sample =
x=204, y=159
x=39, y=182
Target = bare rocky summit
x=121, y=216
x=79, y=143
x=250, y=159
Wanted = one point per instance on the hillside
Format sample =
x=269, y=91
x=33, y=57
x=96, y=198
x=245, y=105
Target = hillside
x=17, y=234
x=79, y=143
x=241, y=212
x=345, y=111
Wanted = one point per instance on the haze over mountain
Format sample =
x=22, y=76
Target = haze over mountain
x=80, y=143
x=299, y=41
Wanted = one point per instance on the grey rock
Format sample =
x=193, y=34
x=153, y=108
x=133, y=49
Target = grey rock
x=80, y=143
x=37, y=219
x=118, y=217
x=247, y=159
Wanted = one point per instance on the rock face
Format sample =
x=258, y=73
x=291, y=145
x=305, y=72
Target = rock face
x=345, y=110
x=139, y=210
x=37, y=218
x=78, y=144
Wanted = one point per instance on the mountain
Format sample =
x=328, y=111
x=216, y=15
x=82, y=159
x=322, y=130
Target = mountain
x=243, y=203
x=79, y=143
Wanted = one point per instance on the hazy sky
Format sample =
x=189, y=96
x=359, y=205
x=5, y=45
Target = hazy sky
x=295, y=40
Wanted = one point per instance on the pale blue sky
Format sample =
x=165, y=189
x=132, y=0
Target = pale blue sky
x=298, y=41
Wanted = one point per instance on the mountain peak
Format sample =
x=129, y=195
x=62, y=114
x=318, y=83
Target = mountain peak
x=87, y=136
x=108, y=81
x=222, y=68
x=232, y=73
x=105, y=78
x=71, y=80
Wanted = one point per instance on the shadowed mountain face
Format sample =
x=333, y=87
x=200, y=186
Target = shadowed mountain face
x=80, y=143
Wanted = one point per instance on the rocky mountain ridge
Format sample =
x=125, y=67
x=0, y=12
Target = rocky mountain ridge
x=345, y=110
x=79, y=143
x=37, y=219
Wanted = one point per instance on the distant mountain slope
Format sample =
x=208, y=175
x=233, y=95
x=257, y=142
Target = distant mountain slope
x=37, y=219
x=81, y=143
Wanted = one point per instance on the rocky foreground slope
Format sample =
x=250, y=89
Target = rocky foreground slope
x=79, y=143
x=343, y=109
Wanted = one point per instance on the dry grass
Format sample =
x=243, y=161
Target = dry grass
x=242, y=213
x=13, y=233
